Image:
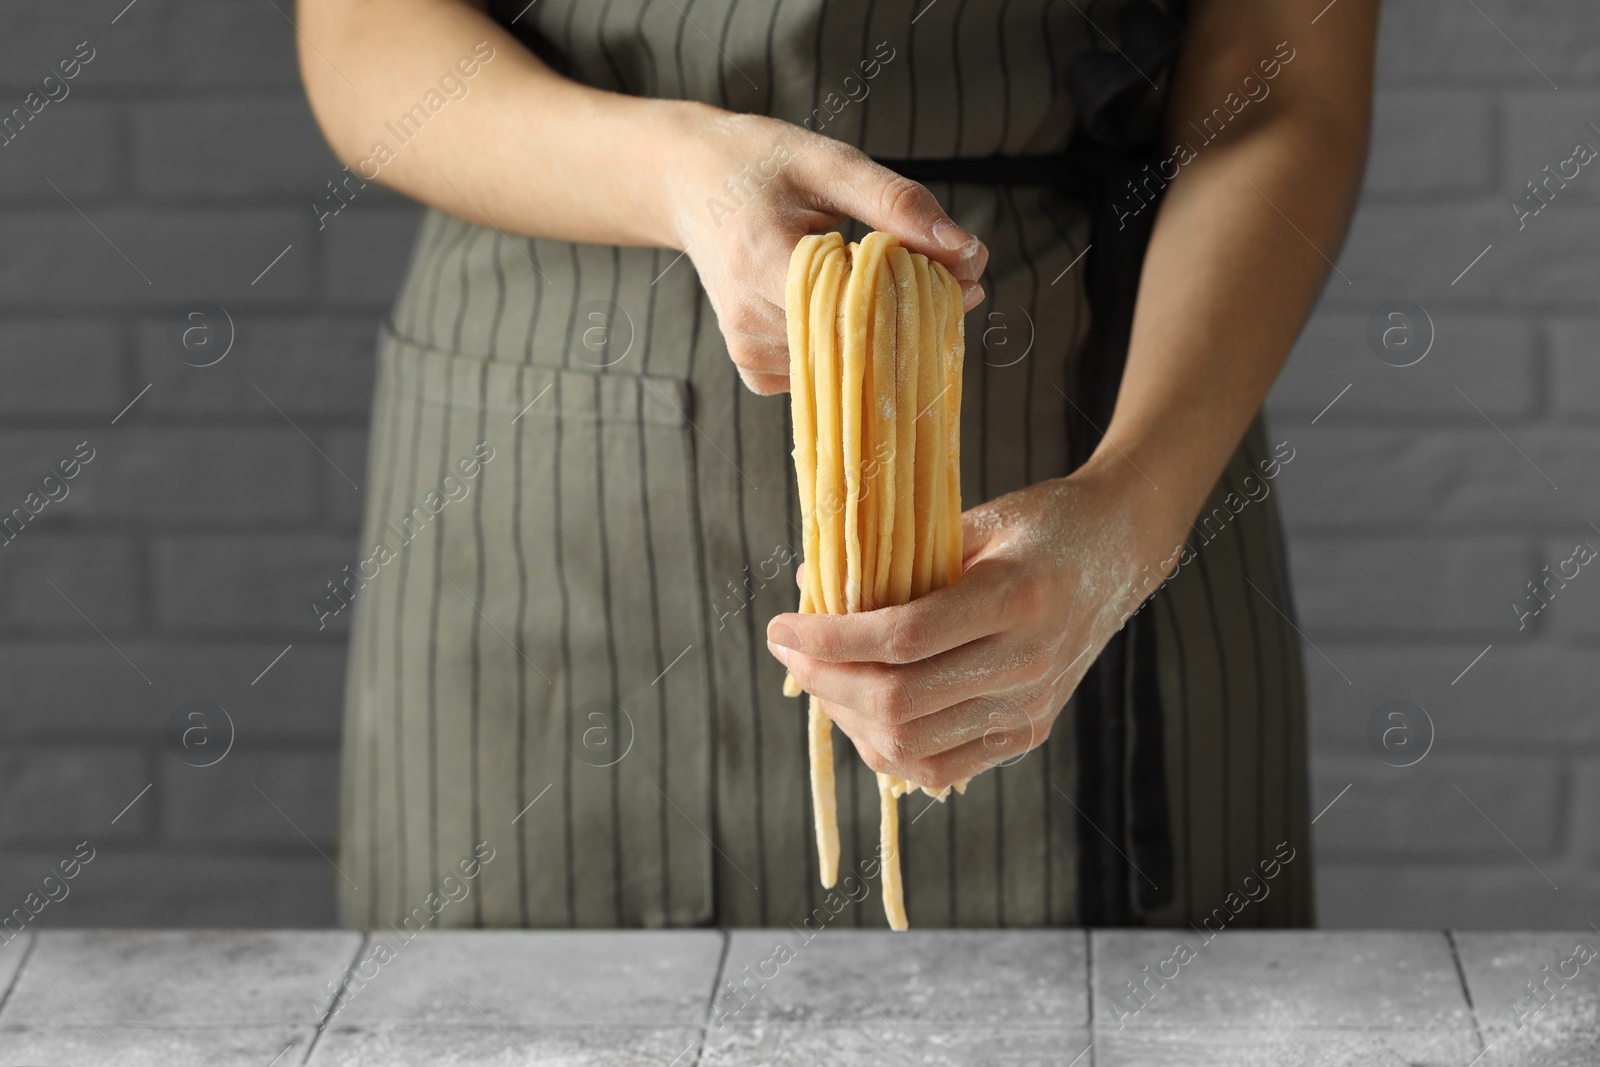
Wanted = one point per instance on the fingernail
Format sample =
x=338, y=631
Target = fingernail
x=971, y=295
x=954, y=237
x=782, y=634
x=780, y=653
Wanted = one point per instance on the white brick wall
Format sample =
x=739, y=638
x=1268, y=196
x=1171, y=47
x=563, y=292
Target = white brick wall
x=1414, y=523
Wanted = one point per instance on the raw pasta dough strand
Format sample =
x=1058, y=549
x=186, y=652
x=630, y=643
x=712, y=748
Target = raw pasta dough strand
x=804, y=267
x=927, y=448
x=906, y=347
x=824, y=803
x=894, y=907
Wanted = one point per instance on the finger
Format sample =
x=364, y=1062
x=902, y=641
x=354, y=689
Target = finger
x=972, y=759
x=897, y=695
x=991, y=715
x=944, y=619
x=851, y=182
x=991, y=748
x=759, y=355
x=764, y=384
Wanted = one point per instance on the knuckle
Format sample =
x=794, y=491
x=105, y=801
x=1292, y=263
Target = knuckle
x=897, y=743
x=892, y=702
x=875, y=760
x=907, y=638
x=900, y=196
x=1023, y=602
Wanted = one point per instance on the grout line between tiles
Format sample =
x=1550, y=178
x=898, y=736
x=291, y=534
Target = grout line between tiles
x=333, y=1005
x=711, y=1001
x=27, y=954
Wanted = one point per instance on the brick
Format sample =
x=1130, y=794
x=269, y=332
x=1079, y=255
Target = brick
x=134, y=52
x=320, y=366
x=1493, y=360
x=249, y=582
x=101, y=574
x=1363, y=586
x=1572, y=606
x=342, y=504
x=167, y=476
x=67, y=690
x=1542, y=130
x=1529, y=693
x=1417, y=811
x=1430, y=894
x=1575, y=366
x=1414, y=252
x=62, y=794
x=1584, y=813
x=220, y=804
x=58, y=367
x=75, y=144
x=171, y=888
x=55, y=259
x=234, y=45
x=1423, y=41
x=365, y=256
x=1380, y=479
x=1426, y=141
x=229, y=149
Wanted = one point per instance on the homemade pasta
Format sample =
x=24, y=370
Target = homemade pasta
x=876, y=346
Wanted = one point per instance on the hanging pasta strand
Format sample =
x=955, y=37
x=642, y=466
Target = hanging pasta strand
x=876, y=347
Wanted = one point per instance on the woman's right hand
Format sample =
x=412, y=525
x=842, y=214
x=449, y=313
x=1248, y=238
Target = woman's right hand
x=752, y=187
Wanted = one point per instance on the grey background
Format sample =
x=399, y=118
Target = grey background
x=196, y=537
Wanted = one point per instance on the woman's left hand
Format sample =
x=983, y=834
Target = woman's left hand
x=975, y=674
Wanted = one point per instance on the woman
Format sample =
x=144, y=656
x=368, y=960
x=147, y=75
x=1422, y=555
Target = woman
x=570, y=658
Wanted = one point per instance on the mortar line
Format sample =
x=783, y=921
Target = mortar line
x=711, y=1002
x=333, y=1005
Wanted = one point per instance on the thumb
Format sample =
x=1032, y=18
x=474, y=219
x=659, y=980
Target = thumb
x=857, y=186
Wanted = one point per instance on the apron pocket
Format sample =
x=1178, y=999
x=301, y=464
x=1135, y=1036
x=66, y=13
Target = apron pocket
x=541, y=646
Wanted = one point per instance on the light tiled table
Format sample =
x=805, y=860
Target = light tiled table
x=748, y=997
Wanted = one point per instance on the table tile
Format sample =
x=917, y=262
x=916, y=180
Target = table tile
x=534, y=977
x=1326, y=979
x=1285, y=1047
x=124, y=1046
x=952, y=977
x=179, y=978
x=11, y=955
x=898, y=1044
x=504, y=1045
x=1565, y=1030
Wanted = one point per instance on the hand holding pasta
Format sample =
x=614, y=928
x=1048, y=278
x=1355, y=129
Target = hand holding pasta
x=876, y=346
x=942, y=643
x=751, y=186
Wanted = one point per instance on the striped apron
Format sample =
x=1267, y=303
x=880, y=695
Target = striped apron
x=579, y=522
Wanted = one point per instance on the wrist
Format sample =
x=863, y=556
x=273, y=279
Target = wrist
x=680, y=133
x=1156, y=503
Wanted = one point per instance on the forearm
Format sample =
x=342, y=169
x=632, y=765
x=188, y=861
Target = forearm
x=1235, y=262
x=518, y=147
